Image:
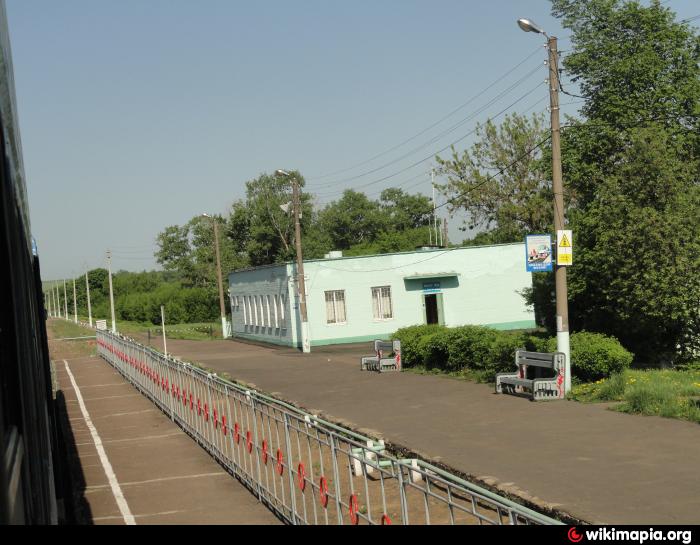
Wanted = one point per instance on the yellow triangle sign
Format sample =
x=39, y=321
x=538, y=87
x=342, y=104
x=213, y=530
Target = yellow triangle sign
x=564, y=242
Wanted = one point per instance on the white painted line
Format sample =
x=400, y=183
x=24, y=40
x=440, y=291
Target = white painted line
x=111, y=477
x=147, y=438
x=161, y=480
x=163, y=513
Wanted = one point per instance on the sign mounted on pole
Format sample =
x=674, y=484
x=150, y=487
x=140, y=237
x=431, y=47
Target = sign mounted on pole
x=538, y=253
x=565, y=246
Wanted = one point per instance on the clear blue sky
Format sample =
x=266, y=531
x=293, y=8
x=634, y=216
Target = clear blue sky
x=138, y=114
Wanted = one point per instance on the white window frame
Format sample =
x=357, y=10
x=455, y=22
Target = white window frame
x=276, y=304
x=245, y=313
x=267, y=308
x=378, y=290
x=255, y=308
x=335, y=299
x=262, y=310
x=283, y=317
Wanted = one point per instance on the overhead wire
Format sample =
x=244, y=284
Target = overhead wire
x=435, y=124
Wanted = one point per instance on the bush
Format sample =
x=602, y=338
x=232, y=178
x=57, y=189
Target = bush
x=595, y=356
x=410, y=337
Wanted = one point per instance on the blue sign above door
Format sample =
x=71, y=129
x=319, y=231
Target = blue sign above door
x=431, y=287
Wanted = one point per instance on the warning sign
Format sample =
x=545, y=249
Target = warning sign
x=565, y=248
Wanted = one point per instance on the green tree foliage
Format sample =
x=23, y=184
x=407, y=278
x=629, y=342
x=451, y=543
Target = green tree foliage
x=504, y=189
x=259, y=228
x=631, y=169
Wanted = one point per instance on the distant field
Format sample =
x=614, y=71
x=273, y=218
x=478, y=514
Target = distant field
x=197, y=331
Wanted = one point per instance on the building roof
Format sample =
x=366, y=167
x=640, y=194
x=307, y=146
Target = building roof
x=417, y=252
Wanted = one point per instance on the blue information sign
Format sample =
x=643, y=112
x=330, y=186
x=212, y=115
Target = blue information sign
x=431, y=287
x=538, y=253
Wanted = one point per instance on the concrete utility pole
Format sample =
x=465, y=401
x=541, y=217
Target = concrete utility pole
x=75, y=305
x=558, y=190
x=162, y=323
x=111, y=292
x=87, y=291
x=65, y=300
x=222, y=306
x=445, y=240
x=58, y=298
x=296, y=199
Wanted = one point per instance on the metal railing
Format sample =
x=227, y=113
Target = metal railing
x=305, y=469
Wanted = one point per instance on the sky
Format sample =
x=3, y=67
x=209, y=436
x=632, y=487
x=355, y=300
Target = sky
x=140, y=114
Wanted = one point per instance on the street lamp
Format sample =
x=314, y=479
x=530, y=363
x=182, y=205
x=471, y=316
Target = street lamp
x=558, y=189
x=222, y=307
x=305, y=344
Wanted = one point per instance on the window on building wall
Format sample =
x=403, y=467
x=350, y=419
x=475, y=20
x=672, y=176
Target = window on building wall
x=381, y=303
x=267, y=309
x=283, y=318
x=245, y=312
x=250, y=310
x=276, y=306
x=335, y=307
x=262, y=310
x=255, y=310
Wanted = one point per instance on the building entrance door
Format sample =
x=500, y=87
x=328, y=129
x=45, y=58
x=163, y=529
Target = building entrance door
x=432, y=314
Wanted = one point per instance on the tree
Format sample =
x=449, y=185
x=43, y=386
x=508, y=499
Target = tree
x=405, y=211
x=353, y=219
x=502, y=182
x=631, y=168
x=259, y=226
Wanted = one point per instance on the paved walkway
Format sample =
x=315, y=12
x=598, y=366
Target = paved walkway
x=600, y=466
x=136, y=466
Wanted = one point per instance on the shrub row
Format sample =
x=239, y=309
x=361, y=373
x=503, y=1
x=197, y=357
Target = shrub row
x=486, y=351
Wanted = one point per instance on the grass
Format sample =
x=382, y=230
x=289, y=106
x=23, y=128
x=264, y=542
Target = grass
x=194, y=332
x=64, y=329
x=667, y=393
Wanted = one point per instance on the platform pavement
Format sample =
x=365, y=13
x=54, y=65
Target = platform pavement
x=597, y=465
x=136, y=466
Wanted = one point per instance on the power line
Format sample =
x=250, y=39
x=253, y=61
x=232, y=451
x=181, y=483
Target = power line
x=443, y=133
x=454, y=111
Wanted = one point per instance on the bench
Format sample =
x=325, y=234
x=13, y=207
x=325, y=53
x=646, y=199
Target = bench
x=378, y=362
x=530, y=379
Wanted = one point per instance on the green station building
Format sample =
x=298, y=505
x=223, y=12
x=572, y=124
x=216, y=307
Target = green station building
x=362, y=298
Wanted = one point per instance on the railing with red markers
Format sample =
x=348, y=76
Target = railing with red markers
x=307, y=470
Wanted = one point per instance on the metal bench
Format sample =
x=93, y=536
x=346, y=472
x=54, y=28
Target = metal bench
x=529, y=380
x=378, y=362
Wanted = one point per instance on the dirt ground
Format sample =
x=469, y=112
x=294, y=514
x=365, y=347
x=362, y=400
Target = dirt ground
x=579, y=459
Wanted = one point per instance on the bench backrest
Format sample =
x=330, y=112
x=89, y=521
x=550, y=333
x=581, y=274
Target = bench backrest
x=554, y=360
x=386, y=347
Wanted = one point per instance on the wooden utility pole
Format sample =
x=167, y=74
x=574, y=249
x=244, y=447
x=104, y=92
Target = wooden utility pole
x=296, y=197
x=559, y=222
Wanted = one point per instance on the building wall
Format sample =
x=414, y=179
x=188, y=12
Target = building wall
x=251, y=289
x=485, y=292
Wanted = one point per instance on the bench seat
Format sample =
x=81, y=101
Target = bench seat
x=539, y=388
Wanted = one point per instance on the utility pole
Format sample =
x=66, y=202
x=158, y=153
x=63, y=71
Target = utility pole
x=301, y=286
x=65, y=300
x=296, y=196
x=435, y=226
x=222, y=306
x=162, y=323
x=75, y=305
x=58, y=298
x=444, y=233
x=559, y=222
x=111, y=292
x=558, y=189
x=87, y=291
